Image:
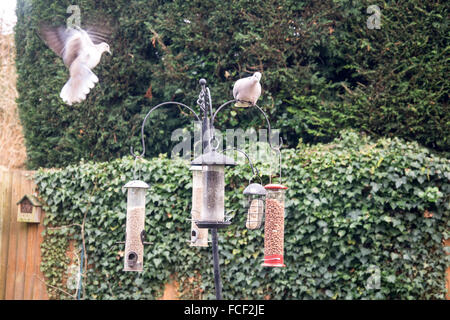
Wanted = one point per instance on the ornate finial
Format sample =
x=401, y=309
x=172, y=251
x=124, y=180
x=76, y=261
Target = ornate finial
x=201, y=97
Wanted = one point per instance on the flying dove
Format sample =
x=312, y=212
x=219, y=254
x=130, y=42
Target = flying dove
x=247, y=90
x=81, y=51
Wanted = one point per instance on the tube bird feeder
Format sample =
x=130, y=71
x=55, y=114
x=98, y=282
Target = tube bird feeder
x=274, y=226
x=213, y=205
x=134, y=242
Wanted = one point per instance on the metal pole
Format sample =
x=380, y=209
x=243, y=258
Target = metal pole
x=206, y=136
x=215, y=252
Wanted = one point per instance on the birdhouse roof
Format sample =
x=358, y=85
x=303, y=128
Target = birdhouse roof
x=34, y=201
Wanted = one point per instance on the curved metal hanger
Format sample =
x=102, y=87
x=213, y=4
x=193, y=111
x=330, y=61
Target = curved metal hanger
x=145, y=120
x=249, y=161
x=278, y=149
x=255, y=105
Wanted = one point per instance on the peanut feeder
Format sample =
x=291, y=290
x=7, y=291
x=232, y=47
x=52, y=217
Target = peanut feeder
x=274, y=226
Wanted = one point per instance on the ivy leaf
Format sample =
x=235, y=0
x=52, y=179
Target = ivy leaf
x=157, y=262
x=139, y=282
x=391, y=278
x=394, y=256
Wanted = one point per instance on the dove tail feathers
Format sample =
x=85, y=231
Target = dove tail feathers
x=77, y=87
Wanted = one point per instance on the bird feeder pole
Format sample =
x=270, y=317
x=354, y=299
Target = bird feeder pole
x=213, y=165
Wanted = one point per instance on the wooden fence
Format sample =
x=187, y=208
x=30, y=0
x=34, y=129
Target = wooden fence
x=20, y=276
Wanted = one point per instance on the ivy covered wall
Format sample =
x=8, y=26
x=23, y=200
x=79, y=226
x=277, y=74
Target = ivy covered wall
x=365, y=219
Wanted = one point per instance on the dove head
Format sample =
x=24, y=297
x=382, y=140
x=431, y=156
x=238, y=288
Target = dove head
x=104, y=47
x=257, y=75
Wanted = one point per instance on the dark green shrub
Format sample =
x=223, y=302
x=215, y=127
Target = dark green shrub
x=323, y=70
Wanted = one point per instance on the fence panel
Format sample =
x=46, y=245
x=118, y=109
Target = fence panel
x=20, y=276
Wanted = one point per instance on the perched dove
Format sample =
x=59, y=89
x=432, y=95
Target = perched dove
x=247, y=90
x=81, y=51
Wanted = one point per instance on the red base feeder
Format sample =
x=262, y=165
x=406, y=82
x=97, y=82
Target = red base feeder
x=274, y=226
x=275, y=260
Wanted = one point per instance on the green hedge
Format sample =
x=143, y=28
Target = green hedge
x=357, y=209
x=323, y=70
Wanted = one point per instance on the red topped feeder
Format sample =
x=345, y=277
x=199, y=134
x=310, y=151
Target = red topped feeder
x=274, y=226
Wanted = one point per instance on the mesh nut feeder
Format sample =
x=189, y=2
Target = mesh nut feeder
x=208, y=185
x=255, y=194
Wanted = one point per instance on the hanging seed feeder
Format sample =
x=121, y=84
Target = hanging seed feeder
x=134, y=243
x=255, y=194
x=274, y=226
x=199, y=237
x=213, y=205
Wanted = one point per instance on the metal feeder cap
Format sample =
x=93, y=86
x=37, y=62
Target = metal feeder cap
x=136, y=184
x=213, y=158
x=255, y=189
x=275, y=186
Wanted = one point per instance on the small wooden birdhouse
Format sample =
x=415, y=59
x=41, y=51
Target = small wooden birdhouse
x=29, y=209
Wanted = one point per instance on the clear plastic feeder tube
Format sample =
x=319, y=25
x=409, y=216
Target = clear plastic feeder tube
x=274, y=226
x=213, y=193
x=134, y=247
